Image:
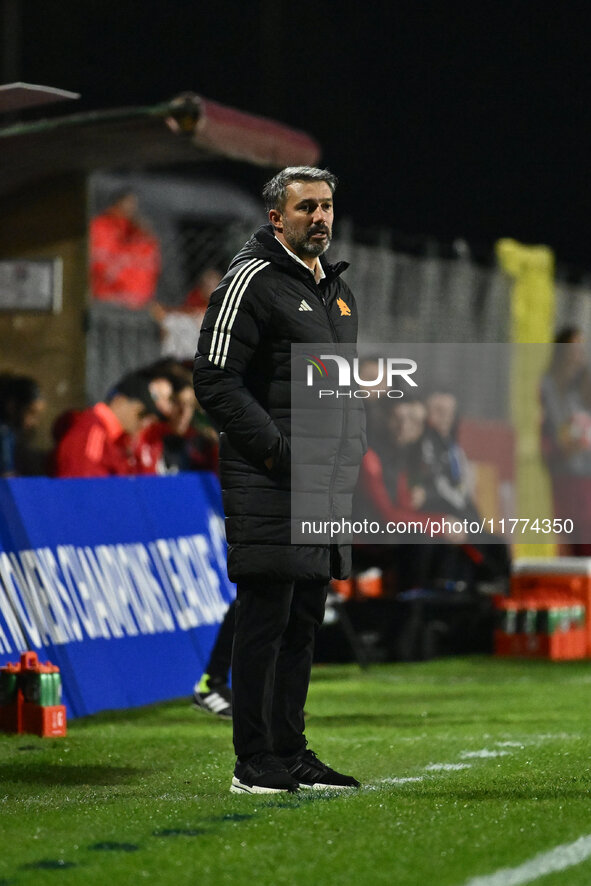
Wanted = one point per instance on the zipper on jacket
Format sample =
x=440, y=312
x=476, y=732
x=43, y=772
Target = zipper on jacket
x=343, y=421
x=321, y=297
x=333, y=332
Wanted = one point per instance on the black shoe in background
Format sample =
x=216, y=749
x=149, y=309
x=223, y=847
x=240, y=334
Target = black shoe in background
x=213, y=696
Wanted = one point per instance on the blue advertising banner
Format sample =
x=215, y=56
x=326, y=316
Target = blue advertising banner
x=121, y=582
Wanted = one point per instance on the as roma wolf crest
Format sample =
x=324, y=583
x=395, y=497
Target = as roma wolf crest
x=345, y=309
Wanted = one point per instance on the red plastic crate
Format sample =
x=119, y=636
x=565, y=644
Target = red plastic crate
x=47, y=722
x=558, y=575
x=25, y=716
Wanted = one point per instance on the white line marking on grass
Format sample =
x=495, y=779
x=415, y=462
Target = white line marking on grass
x=483, y=754
x=509, y=744
x=407, y=780
x=447, y=767
x=558, y=859
x=553, y=736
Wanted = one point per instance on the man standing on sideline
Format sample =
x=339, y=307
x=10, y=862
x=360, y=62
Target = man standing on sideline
x=279, y=289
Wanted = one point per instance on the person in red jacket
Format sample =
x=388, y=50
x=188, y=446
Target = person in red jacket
x=97, y=442
x=124, y=255
x=148, y=442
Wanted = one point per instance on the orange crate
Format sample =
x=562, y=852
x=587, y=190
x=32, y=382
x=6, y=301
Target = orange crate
x=568, y=576
x=48, y=721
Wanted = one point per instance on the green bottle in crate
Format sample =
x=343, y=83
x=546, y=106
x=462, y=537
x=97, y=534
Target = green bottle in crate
x=8, y=686
x=506, y=618
x=50, y=688
x=527, y=619
x=47, y=692
x=529, y=624
x=56, y=688
x=551, y=619
x=555, y=619
x=39, y=687
x=543, y=621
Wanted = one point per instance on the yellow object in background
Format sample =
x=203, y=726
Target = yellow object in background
x=532, y=322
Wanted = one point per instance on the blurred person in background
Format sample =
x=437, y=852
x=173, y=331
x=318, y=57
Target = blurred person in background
x=21, y=408
x=212, y=691
x=405, y=427
x=565, y=393
x=148, y=441
x=191, y=443
x=184, y=439
x=125, y=257
x=168, y=445
x=442, y=477
x=385, y=476
x=386, y=493
x=190, y=446
x=442, y=480
x=98, y=441
x=180, y=325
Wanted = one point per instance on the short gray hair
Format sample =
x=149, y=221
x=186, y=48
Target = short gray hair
x=275, y=191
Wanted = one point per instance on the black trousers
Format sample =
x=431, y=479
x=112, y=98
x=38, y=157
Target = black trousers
x=276, y=624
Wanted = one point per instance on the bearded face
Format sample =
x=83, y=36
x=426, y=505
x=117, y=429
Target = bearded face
x=308, y=242
x=305, y=224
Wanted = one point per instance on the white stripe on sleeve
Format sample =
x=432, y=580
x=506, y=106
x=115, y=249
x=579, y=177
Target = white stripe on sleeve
x=221, y=334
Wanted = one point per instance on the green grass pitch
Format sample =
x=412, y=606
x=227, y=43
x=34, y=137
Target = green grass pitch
x=471, y=768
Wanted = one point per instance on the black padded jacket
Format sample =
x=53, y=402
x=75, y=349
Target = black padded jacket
x=242, y=377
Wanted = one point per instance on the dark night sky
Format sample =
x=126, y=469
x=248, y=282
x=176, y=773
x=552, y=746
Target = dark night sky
x=440, y=119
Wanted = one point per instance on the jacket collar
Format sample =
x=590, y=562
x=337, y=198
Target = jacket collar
x=264, y=244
